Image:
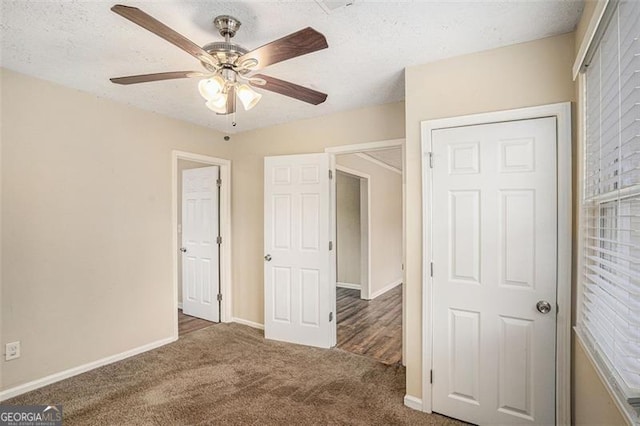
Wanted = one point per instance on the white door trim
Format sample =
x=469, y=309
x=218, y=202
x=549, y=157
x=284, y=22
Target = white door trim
x=226, y=313
x=562, y=112
x=365, y=230
x=361, y=147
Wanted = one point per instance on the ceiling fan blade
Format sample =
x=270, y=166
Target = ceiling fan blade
x=297, y=44
x=231, y=100
x=291, y=89
x=148, y=22
x=144, y=78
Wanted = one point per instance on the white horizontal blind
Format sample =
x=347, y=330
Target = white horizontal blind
x=610, y=314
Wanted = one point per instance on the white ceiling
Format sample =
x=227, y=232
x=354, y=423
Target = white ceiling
x=80, y=44
x=390, y=157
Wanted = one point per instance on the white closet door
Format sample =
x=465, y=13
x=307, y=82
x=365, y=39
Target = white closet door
x=495, y=252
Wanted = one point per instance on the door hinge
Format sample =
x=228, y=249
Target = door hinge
x=431, y=269
x=330, y=174
x=430, y=376
x=219, y=240
x=431, y=160
x=219, y=297
x=330, y=245
x=557, y=308
x=219, y=182
x=330, y=316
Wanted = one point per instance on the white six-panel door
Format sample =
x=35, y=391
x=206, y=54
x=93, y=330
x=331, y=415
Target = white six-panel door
x=200, y=278
x=494, y=214
x=298, y=291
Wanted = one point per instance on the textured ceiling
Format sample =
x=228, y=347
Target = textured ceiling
x=390, y=157
x=81, y=44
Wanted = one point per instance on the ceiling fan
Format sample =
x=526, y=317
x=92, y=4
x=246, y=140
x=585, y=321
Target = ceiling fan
x=228, y=67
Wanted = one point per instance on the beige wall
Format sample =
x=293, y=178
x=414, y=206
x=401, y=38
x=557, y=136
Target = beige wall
x=365, y=125
x=183, y=165
x=591, y=403
x=522, y=75
x=86, y=224
x=385, y=188
x=348, y=228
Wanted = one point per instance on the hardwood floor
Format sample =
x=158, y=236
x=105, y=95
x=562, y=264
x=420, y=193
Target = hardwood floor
x=187, y=324
x=371, y=327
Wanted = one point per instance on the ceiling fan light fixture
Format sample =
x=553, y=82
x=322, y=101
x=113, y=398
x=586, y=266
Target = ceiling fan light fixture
x=227, y=63
x=218, y=104
x=210, y=88
x=248, y=96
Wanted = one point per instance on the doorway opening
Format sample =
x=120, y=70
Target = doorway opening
x=300, y=236
x=369, y=251
x=201, y=241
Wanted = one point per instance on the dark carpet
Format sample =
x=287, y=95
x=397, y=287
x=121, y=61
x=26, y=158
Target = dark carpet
x=229, y=374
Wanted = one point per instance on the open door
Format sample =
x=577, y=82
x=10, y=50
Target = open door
x=299, y=272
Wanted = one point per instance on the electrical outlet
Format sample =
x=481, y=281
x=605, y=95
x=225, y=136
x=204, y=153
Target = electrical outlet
x=12, y=351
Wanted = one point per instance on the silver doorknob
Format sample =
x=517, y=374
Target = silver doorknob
x=268, y=258
x=543, y=307
x=183, y=249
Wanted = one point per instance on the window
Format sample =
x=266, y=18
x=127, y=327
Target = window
x=609, y=321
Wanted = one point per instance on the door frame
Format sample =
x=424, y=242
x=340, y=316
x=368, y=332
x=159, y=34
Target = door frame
x=226, y=305
x=365, y=230
x=562, y=113
x=374, y=146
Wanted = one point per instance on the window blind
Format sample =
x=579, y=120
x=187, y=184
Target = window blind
x=610, y=311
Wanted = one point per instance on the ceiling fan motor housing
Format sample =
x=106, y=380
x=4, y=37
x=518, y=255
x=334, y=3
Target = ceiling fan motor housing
x=225, y=52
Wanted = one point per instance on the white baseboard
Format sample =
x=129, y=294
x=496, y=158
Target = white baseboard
x=179, y=305
x=351, y=286
x=413, y=402
x=249, y=323
x=386, y=288
x=56, y=377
